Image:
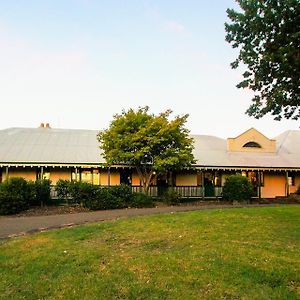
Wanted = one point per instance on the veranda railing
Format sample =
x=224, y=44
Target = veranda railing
x=156, y=191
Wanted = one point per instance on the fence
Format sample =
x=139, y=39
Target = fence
x=183, y=191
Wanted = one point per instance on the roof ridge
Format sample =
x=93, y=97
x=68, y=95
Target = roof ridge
x=288, y=132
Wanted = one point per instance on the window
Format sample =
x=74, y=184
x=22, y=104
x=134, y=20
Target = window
x=255, y=177
x=86, y=176
x=126, y=176
x=43, y=174
x=291, y=180
x=252, y=176
x=244, y=173
x=46, y=175
x=252, y=145
x=217, y=179
x=75, y=176
x=199, y=178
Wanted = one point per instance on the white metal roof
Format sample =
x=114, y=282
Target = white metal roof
x=212, y=151
x=80, y=147
x=48, y=145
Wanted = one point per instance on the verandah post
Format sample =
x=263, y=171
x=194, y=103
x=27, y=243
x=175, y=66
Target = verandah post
x=287, y=183
x=6, y=172
x=202, y=183
x=259, y=184
x=108, y=176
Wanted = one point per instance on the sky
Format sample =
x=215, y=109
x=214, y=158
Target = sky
x=76, y=63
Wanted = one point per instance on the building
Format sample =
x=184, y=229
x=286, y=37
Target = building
x=272, y=165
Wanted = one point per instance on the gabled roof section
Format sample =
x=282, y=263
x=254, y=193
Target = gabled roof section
x=49, y=145
x=251, y=141
x=289, y=142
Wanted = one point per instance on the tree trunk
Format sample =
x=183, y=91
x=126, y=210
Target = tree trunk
x=145, y=177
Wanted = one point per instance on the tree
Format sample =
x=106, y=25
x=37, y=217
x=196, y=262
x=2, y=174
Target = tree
x=152, y=144
x=267, y=33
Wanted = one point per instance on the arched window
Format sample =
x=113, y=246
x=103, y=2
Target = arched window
x=252, y=145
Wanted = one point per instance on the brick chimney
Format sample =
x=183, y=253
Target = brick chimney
x=42, y=125
x=47, y=125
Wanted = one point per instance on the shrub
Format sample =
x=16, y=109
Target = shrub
x=109, y=198
x=63, y=189
x=237, y=187
x=103, y=200
x=14, y=196
x=123, y=193
x=141, y=200
x=32, y=198
x=171, y=197
x=96, y=198
x=82, y=192
x=42, y=191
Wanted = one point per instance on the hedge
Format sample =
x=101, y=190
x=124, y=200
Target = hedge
x=96, y=197
x=237, y=188
x=17, y=194
x=14, y=196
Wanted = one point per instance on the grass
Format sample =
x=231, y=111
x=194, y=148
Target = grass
x=251, y=253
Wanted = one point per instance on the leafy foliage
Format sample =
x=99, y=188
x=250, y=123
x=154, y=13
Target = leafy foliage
x=153, y=144
x=104, y=198
x=267, y=34
x=63, y=190
x=140, y=200
x=17, y=194
x=122, y=193
x=14, y=196
x=42, y=191
x=113, y=197
x=171, y=197
x=237, y=187
x=82, y=192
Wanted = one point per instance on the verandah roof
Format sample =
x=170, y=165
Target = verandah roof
x=71, y=147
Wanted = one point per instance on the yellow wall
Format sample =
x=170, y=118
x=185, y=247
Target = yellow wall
x=186, y=179
x=251, y=135
x=62, y=173
x=114, y=178
x=103, y=178
x=27, y=173
x=135, y=179
x=56, y=174
x=274, y=185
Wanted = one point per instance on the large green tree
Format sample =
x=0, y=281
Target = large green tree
x=267, y=34
x=153, y=144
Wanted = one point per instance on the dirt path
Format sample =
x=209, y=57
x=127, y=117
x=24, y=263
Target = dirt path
x=17, y=226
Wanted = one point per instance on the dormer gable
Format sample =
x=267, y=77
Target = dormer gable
x=251, y=141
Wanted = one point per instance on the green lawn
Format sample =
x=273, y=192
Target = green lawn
x=251, y=253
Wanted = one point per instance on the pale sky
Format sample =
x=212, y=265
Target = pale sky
x=75, y=63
